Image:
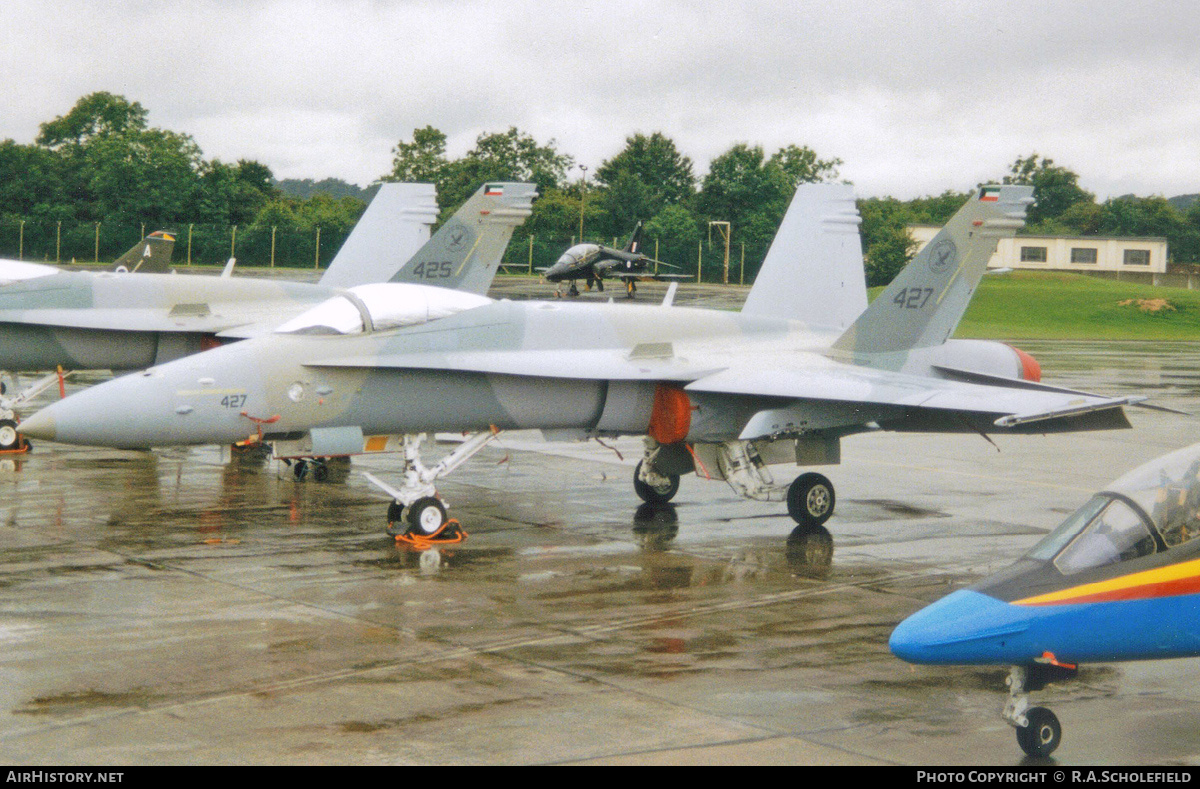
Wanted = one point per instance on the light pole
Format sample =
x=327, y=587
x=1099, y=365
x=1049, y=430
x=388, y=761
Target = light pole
x=582, y=200
x=724, y=228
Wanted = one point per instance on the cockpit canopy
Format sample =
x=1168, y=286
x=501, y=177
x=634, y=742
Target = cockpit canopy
x=1153, y=508
x=385, y=305
x=18, y=271
x=578, y=254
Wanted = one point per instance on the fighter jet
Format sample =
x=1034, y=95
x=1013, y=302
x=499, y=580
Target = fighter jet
x=81, y=320
x=717, y=393
x=1118, y=580
x=594, y=262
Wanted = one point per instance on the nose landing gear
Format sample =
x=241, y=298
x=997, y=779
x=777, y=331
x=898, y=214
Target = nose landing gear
x=417, y=513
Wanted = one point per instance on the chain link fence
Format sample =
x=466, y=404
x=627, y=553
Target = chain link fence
x=42, y=241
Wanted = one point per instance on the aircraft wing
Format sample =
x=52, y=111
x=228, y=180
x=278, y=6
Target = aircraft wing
x=649, y=275
x=646, y=362
x=126, y=319
x=900, y=394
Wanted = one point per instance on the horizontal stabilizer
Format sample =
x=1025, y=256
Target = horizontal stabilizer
x=1012, y=420
x=869, y=386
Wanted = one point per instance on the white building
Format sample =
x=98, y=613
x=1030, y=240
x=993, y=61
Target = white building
x=1069, y=253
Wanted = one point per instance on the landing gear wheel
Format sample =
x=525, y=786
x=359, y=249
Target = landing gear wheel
x=426, y=516
x=1042, y=735
x=300, y=470
x=395, y=520
x=810, y=499
x=8, y=435
x=320, y=471
x=572, y=291
x=652, y=494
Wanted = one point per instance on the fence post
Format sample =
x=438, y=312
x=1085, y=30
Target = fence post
x=58, y=243
x=656, y=256
x=233, y=243
x=742, y=269
x=531, y=255
x=96, y=256
x=189, y=257
x=699, y=258
x=21, y=241
x=272, y=246
x=317, y=255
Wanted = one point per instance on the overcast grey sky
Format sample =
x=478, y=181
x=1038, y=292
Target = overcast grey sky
x=915, y=97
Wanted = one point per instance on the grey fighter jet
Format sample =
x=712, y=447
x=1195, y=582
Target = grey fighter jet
x=592, y=263
x=78, y=320
x=720, y=394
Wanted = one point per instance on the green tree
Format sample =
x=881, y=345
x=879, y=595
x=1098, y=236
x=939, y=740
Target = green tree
x=800, y=165
x=149, y=175
x=95, y=115
x=1055, y=188
x=750, y=191
x=502, y=156
x=654, y=162
x=421, y=161
x=887, y=243
x=33, y=183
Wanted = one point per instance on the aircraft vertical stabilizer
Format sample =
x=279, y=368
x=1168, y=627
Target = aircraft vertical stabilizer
x=635, y=239
x=390, y=232
x=151, y=255
x=924, y=303
x=466, y=251
x=813, y=271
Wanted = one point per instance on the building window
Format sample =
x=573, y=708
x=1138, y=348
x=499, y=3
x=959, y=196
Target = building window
x=1137, y=257
x=1033, y=254
x=1083, y=255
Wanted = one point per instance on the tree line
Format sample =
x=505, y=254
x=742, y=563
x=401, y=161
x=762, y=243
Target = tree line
x=102, y=164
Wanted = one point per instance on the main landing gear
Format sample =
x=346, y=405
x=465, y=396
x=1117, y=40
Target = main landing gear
x=417, y=513
x=1038, y=729
x=810, y=497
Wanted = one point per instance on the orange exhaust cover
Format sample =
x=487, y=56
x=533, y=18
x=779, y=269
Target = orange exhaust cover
x=672, y=415
x=1030, y=369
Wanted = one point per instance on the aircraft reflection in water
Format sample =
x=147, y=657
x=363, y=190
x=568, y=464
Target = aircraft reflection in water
x=1118, y=580
x=804, y=364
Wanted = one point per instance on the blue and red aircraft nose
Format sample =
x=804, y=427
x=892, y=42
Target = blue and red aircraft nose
x=965, y=627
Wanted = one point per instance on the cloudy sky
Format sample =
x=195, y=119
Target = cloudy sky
x=914, y=97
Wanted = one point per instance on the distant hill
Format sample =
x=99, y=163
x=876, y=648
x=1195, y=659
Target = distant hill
x=1183, y=202
x=304, y=188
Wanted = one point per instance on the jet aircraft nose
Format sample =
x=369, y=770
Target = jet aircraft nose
x=965, y=627
x=40, y=425
x=560, y=267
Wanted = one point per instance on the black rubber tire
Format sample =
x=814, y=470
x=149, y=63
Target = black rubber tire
x=396, y=525
x=320, y=471
x=1042, y=735
x=300, y=470
x=9, y=438
x=653, y=495
x=810, y=499
x=426, y=516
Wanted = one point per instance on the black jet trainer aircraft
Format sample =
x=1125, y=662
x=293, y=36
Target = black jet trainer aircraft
x=594, y=262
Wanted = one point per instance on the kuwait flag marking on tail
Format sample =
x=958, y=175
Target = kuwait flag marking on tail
x=493, y=190
x=989, y=194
